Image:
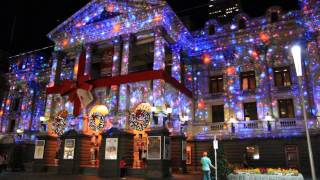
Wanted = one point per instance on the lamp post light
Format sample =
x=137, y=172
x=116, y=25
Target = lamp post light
x=296, y=53
x=20, y=132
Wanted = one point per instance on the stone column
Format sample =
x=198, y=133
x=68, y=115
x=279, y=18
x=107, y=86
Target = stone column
x=123, y=91
x=158, y=64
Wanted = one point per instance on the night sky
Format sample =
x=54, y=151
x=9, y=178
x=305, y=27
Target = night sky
x=35, y=18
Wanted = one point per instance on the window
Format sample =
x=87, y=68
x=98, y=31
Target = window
x=101, y=62
x=248, y=80
x=250, y=111
x=286, y=108
x=168, y=60
x=282, y=77
x=216, y=84
x=253, y=152
x=242, y=23
x=274, y=17
x=142, y=54
x=15, y=104
x=211, y=29
x=218, y=113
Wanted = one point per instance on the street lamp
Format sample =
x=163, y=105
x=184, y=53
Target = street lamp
x=296, y=53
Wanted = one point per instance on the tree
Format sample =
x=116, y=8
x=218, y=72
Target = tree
x=222, y=163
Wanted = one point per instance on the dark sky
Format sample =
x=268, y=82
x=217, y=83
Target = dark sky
x=35, y=18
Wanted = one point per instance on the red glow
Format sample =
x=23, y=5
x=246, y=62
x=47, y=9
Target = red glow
x=201, y=104
x=65, y=42
x=231, y=70
x=157, y=18
x=8, y=101
x=254, y=54
x=116, y=28
x=206, y=58
x=264, y=37
x=110, y=8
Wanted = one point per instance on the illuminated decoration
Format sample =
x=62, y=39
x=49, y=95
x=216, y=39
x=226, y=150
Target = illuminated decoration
x=59, y=122
x=79, y=90
x=97, y=117
x=140, y=118
x=259, y=47
x=206, y=59
x=96, y=121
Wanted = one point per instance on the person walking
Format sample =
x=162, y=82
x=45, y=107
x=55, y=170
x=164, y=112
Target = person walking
x=206, y=164
x=122, y=168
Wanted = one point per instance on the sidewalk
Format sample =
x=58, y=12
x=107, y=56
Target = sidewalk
x=50, y=176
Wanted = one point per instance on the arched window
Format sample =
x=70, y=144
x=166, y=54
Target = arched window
x=211, y=29
x=242, y=23
x=274, y=17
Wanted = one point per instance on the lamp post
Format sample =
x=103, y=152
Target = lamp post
x=296, y=53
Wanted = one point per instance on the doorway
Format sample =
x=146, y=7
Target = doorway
x=292, y=156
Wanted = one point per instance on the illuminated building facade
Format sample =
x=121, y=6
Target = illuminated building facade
x=133, y=66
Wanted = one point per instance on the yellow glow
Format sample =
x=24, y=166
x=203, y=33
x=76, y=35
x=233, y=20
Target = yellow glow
x=101, y=109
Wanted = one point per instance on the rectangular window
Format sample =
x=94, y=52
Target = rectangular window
x=253, y=152
x=218, y=113
x=168, y=60
x=248, y=80
x=250, y=111
x=282, y=77
x=286, y=108
x=216, y=84
x=101, y=62
x=142, y=54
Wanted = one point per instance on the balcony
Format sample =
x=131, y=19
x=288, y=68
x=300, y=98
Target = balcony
x=253, y=129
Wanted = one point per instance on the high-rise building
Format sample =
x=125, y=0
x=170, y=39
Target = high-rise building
x=224, y=10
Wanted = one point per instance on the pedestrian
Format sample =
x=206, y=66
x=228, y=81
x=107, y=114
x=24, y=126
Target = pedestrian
x=144, y=158
x=122, y=168
x=206, y=164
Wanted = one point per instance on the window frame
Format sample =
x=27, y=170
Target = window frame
x=216, y=82
x=250, y=77
x=287, y=108
x=251, y=116
x=212, y=113
x=281, y=73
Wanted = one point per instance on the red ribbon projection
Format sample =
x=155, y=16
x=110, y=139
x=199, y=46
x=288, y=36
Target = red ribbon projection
x=69, y=87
